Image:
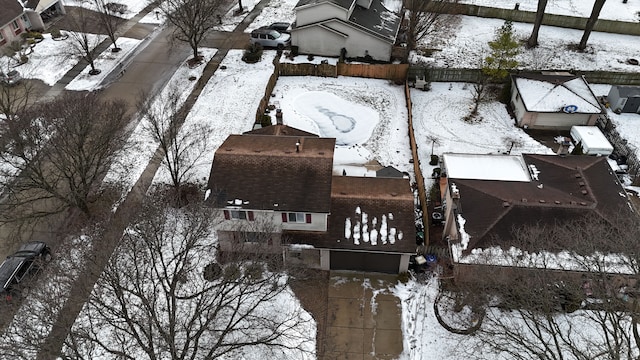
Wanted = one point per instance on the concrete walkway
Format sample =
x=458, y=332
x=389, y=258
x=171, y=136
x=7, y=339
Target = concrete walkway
x=363, y=318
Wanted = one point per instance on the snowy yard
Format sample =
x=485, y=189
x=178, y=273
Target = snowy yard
x=464, y=44
x=368, y=118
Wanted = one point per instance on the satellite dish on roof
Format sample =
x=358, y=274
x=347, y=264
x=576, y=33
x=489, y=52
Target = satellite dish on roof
x=570, y=109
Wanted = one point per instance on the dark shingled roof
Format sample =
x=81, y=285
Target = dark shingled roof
x=389, y=172
x=377, y=20
x=572, y=187
x=376, y=197
x=11, y=9
x=346, y=4
x=283, y=130
x=267, y=170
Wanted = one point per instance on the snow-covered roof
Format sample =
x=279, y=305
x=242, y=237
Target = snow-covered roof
x=486, y=167
x=591, y=137
x=556, y=94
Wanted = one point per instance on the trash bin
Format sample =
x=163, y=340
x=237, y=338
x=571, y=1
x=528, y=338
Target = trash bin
x=431, y=260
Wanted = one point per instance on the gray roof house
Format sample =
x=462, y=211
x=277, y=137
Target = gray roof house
x=274, y=193
x=624, y=99
x=11, y=21
x=553, y=101
x=362, y=27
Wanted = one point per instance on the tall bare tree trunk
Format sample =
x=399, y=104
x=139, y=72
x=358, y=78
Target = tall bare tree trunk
x=591, y=23
x=533, y=39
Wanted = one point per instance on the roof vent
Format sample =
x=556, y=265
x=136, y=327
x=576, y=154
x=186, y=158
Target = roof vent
x=343, y=193
x=584, y=192
x=578, y=176
x=542, y=201
x=257, y=150
x=506, y=204
x=394, y=194
x=583, y=203
x=557, y=202
x=524, y=199
x=228, y=149
x=581, y=183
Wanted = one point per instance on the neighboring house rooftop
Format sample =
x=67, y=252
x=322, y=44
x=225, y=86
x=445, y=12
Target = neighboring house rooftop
x=389, y=172
x=554, y=92
x=346, y=4
x=628, y=91
x=377, y=20
x=282, y=130
x=372, y=214
x=11, y=9
x=563, y=189
x=282, y=173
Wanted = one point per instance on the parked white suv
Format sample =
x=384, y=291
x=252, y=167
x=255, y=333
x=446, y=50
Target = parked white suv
x=270, y=38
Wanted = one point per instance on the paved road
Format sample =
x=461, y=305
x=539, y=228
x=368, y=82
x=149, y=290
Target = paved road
x=148, y=71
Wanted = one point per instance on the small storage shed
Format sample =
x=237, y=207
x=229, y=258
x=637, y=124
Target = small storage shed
x=592, y=140
x=624, y=99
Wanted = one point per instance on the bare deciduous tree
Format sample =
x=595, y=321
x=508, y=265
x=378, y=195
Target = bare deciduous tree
x=81, y=43
x=108, y=22
x=163, y=295
x=545, y=309
x=591, y=22
x=533, y=39
x=192, y=19
x=511, y=142
x=57, y=153
x=425, y=16
x=182, y=145
x=15, y=99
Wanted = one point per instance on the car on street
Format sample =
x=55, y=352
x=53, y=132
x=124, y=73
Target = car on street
x=11, y=77
x=17, y=268
x=270, y=38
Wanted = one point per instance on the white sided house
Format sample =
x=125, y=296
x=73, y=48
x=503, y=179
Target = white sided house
x=274, y=193
x=553, y=101
x=364, y=28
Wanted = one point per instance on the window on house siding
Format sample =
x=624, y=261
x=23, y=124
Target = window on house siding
x=16, y=27
x=238, y=215
x=2, y=41
x=296, y=217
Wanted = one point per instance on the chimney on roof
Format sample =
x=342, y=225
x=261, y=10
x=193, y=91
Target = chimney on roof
x=298, y=146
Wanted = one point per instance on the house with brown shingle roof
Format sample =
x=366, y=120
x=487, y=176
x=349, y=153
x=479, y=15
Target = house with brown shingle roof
x=488, y=197
x=275, y=192
x=11, y=21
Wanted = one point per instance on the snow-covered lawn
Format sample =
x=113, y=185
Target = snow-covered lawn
x=368, y=118
x=106, y=62
x=133, y=6
x=227, y=105
x=612, y=10
x=465, y=42
x=127, y=169
x=50, y=59
x=440, y=112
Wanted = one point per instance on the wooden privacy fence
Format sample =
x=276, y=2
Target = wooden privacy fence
x=395, y=72
x=472, y=75
x=324, y=70
x=262, y=107
x=422, y=193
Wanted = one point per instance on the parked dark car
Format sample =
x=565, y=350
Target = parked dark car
x=10, y=78
x=18, y=267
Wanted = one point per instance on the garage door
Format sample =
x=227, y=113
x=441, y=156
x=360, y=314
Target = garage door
x=363, y=261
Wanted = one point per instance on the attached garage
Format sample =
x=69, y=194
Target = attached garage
x=365, y=261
